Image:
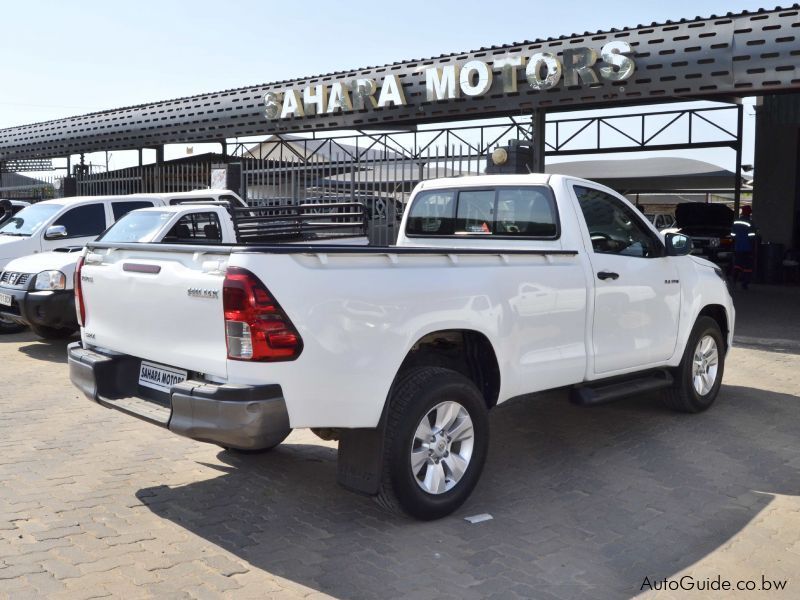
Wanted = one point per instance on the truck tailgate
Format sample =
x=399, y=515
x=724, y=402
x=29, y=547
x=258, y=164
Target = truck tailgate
x=159, y=305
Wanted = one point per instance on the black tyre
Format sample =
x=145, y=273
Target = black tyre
x=53, y=333
x=9, y=327
x=699, y=376
x=437, y=438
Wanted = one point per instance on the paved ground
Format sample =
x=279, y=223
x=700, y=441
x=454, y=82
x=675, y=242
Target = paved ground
x=586, y=502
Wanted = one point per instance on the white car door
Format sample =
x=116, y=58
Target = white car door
x=637, y=294
x=83, y=224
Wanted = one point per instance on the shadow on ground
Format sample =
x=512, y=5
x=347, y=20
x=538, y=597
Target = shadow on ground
x=767, y=318
x=586, y=503
x=54, y=351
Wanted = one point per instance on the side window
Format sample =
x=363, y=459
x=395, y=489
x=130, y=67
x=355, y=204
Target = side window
x=84, y=221
x=614, y=228
x=432, y=213
x=120, y=209
x=196, y=227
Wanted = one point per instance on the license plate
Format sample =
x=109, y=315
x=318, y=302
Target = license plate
x=160, y=377
x=5, y=299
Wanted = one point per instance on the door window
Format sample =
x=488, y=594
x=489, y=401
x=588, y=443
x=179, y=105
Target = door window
x=120, y=209
x=84, y=221
x=615, y=228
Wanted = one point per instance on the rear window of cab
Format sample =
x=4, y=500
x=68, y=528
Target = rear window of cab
x=503, y=211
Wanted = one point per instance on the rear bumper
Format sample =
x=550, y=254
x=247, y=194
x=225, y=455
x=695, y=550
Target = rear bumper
x=234, y=416
x=47, y=308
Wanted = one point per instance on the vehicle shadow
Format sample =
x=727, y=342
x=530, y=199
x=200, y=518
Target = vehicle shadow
x=54, y=351
x=586, y=503
x=15, y=338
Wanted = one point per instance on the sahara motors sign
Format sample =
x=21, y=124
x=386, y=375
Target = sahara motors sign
x=474, y=78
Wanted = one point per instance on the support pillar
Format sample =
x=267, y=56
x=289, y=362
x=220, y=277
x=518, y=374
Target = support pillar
x=737, y=190
x=538, y=125
x=776, y=183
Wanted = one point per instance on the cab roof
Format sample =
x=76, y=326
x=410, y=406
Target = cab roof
x=485, y=180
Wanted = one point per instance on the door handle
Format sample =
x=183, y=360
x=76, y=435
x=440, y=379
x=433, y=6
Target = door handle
x=607, y=275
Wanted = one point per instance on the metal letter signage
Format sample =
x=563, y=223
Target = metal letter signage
x=442, y=83
x=749, y=53
x=472, y=79
x=391, y=92
x=476, y=78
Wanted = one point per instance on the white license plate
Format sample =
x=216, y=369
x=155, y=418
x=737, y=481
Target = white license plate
x=5, y=299
x=160, y=377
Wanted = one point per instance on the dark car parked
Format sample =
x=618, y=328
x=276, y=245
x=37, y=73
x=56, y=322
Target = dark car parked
x=709, y=226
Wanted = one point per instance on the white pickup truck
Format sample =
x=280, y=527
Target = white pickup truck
x=37, y=290
x=499, y=286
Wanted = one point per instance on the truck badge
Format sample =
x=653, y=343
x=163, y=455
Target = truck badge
x=201, y=293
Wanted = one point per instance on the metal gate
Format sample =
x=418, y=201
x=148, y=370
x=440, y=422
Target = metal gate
x=377, y=169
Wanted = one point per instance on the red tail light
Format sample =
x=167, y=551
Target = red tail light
x=256, y=328
x=79, y=306
x=726, y=241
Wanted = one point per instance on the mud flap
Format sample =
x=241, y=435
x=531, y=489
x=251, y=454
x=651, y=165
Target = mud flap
x=360, y=460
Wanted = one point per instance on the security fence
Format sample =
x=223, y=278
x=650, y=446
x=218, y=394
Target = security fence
x=377, y=169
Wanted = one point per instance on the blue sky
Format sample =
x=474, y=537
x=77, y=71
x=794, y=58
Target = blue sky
x=65, y=58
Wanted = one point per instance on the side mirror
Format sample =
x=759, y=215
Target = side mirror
x=678, y=244
x=55, y=232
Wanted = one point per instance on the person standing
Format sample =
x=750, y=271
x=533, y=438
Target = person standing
x=744, y=247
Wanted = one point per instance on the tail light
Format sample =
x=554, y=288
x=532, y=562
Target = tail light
x=256, y=328
x=726, y=241
x=79, y=306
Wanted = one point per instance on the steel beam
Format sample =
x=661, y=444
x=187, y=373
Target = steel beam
x=728, y=56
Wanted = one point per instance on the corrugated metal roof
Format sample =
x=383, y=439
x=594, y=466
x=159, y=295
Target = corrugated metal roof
x=353, y=72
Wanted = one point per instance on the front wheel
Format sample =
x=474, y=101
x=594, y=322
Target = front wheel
x=7, y=326
x=437, y=438
x=699, y=376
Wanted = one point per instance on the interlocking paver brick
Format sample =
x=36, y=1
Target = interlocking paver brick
x=586, y=502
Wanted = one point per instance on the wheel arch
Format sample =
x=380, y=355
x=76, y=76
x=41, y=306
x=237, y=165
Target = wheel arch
x=466, y=351
x=718, y=313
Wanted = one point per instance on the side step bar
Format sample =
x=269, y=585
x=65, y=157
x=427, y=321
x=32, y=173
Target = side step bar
x=605, y=391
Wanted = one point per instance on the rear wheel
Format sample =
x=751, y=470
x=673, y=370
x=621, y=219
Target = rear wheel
x=437, y=438
x=699, y=376
x=8, y=326
x=53, y=333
